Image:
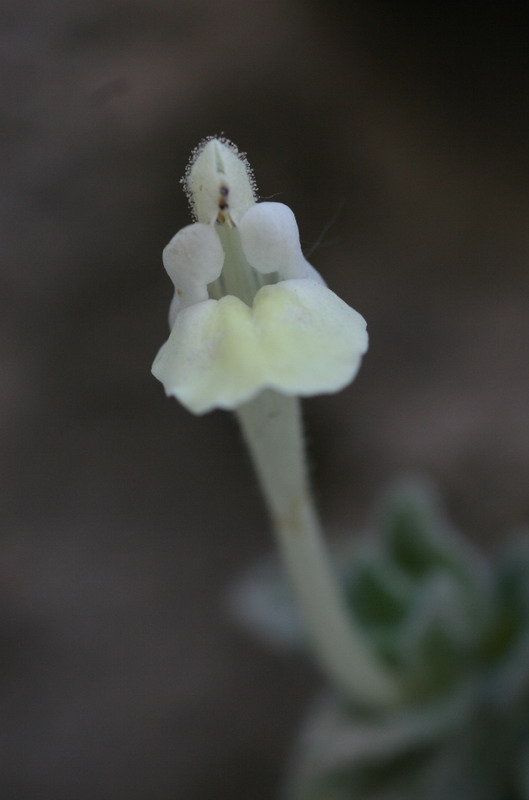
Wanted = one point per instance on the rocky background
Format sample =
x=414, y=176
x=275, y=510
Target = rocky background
x=399, y=137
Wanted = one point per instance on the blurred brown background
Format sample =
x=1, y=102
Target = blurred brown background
x=399, y=133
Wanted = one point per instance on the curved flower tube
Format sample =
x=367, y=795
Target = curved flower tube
x=249, y=312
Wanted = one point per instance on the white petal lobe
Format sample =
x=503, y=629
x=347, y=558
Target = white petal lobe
x=270, y=240
x=193, y=258
x=298, y=338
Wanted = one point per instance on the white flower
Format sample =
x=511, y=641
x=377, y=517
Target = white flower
x=249, y=312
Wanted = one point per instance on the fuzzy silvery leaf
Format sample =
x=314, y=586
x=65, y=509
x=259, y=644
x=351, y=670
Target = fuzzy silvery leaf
x=454, y=629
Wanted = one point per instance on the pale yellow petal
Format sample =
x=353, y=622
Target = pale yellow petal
x=299, y=338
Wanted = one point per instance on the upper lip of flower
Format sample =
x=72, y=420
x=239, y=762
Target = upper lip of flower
x=249, y=312
x=217, y=170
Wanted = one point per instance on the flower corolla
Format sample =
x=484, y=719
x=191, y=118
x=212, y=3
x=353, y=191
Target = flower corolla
x=249, y=312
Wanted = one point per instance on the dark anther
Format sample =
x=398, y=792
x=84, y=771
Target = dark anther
x=224, y=191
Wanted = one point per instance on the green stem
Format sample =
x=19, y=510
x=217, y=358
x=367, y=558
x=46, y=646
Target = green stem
x=272, y=428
